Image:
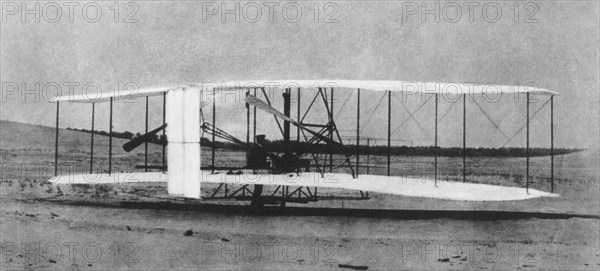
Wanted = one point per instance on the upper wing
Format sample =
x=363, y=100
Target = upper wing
x=384, y=85
x=380, y=85
x=106, y=96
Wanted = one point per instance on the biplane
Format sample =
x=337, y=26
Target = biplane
x=293, y=167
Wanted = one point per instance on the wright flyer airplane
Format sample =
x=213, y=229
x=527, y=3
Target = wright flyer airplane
x=295, y=170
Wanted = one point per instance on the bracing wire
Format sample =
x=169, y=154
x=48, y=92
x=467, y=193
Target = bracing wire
x=373, y=112
x=490, y=118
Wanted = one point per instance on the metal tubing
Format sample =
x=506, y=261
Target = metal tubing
x=56, y=140
x=92, y=140
x=110, y=124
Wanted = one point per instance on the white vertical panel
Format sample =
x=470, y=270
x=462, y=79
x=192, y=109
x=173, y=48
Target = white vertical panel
x=175, y=148
x=175, y=168
x=191, y=137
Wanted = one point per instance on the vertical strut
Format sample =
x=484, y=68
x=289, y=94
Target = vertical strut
x=464, y=151
x=247, y=128
x=92, y=140
x=298, y=114
x=334, y=129
x=436, y=141
x=110, y=127
x=214, y=114
x=146, y=143
x=368, y=154
x=56, y=141
x=552, y=143
x=254, y=121
x=389, y=134
x=164, y=144
x=254, y=125
x=357, y=131
x=286, y=111
x=527, y=147
x=331, y=133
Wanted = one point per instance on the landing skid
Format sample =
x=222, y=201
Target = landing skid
x=280, y=196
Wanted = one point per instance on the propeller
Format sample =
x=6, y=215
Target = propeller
x=258, y=103
x=134, y=143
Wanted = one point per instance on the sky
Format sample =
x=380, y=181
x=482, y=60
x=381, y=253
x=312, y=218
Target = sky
x=553, y=45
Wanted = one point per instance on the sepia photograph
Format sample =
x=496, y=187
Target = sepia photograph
x=300, y=135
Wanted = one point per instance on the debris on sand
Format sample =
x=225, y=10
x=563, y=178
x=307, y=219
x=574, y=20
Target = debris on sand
x=54, y=215
x=156, y=230
x=128, y=228
x=444, y=260
x=188, y=233
x=355, y=267
x=224, y=239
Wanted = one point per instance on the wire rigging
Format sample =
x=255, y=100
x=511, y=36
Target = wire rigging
x=373, y=112
x=490, y=118
x=411, y=116
x=343, y=105
x=525, y=124
x=447, y=111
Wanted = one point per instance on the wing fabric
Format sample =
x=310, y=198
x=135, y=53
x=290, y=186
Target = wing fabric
x=408, y=87
x=394, y=185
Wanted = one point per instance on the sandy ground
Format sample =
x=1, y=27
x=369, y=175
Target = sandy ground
x=103, y=230
x=137, y=226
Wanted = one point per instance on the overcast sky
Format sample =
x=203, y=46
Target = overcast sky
x=551, y=44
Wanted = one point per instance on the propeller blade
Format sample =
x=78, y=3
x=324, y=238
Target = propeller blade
x=136, y=142
x=258, y=103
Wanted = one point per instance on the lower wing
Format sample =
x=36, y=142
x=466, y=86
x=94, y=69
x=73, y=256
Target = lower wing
x=394, y=185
